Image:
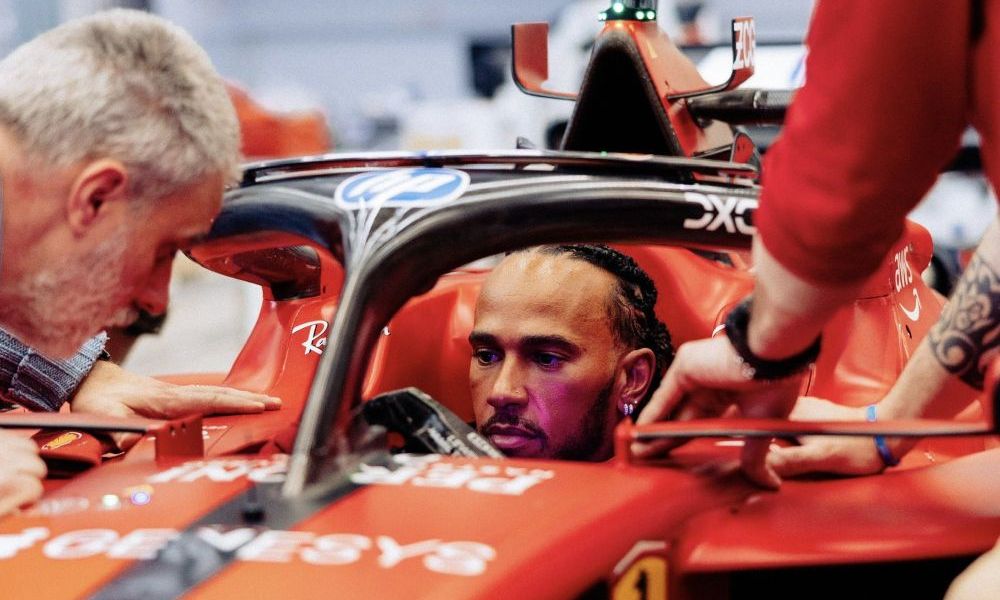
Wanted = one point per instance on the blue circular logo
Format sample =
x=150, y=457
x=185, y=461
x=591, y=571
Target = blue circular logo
x=402, y=188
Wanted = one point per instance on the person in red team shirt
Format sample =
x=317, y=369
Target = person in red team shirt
x=892, y=84
x=891, y=87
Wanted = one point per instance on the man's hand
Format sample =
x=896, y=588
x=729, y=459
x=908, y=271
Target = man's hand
x=704, y=380
x=827, y=454
x=113, y=391
x=21, y=472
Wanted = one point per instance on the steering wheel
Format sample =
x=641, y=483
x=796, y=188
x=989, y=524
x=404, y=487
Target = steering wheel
x=427, y=427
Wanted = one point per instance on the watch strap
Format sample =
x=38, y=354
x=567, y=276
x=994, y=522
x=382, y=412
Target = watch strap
x=763, y=369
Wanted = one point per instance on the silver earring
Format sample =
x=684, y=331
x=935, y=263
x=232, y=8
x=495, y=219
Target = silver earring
x=628, y=408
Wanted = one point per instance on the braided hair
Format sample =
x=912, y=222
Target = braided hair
x=634, y=321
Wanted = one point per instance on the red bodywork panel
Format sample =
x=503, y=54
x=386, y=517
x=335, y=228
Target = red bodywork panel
x=439, y=534
x=914, y=514
x=441, y=527
x=444, y=530
x=865, y=346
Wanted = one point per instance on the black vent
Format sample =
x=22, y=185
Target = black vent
x=618, y=109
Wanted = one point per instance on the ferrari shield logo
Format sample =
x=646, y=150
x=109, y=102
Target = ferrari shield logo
x=642, y=573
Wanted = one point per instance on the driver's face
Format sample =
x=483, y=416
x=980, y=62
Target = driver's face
x=544, y=359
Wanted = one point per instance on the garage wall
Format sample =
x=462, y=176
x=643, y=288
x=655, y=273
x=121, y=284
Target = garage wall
x=363, y=62
x=352, y=58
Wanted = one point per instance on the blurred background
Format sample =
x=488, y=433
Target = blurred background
x=384, y=72
x=353, y=76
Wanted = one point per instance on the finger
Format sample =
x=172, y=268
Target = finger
x=269, y=402
x=753, y=463
x=799, y=460
x=660, y=405
x=124, y=441
x=29, y=464
x=702, y=404
x=212, y=403
x=847, y=456
x=665, y=399
x=200, y=399
x=10, y=443
x=697, y=404
x=18, y=490
x=804, y=409
x=657, y=449
x=810, y=408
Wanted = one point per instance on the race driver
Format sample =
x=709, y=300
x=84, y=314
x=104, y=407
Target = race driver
x=565, y=343
x=116, y=139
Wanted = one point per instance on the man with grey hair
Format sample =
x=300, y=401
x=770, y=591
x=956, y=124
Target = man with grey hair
x=117, y=137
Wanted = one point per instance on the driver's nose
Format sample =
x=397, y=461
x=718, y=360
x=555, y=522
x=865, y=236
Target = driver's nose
x=154, y=296
x=508, y=389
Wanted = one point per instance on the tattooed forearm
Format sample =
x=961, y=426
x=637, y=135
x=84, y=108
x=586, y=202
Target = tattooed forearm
x=965, y=338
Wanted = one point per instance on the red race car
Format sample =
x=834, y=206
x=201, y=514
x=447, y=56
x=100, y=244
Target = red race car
x=363, y=331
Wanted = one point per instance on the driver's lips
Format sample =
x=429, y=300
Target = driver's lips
x=515, y=440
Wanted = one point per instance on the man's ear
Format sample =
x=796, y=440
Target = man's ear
x=99, y=186
x=635, y=375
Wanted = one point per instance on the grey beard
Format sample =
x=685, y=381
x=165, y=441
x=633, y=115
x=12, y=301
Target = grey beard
x=59, y=307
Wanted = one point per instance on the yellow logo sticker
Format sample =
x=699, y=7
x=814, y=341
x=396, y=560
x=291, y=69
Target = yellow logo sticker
x=62, y=440
x=642, y=573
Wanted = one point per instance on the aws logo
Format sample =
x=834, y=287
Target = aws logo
x=902, y=277
x=728, y=212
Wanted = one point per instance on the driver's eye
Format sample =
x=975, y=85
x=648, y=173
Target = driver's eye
x=485, y=356
x=547, y=360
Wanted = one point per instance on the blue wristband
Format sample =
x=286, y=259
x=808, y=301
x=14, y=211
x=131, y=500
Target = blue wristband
x=883, y=449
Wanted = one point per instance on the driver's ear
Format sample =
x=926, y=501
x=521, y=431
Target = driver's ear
x=97, y=188
x=635, y=375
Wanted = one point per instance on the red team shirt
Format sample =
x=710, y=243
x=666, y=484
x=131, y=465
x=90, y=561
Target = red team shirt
x=891, y=86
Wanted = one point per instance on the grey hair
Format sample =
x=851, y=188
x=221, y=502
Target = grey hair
x=126, y=85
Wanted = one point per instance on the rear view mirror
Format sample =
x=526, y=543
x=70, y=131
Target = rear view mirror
x=744, y=51
x=530, y=63
x=286, y=266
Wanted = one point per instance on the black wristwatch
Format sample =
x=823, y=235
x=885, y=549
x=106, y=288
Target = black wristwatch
x=762, y=369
